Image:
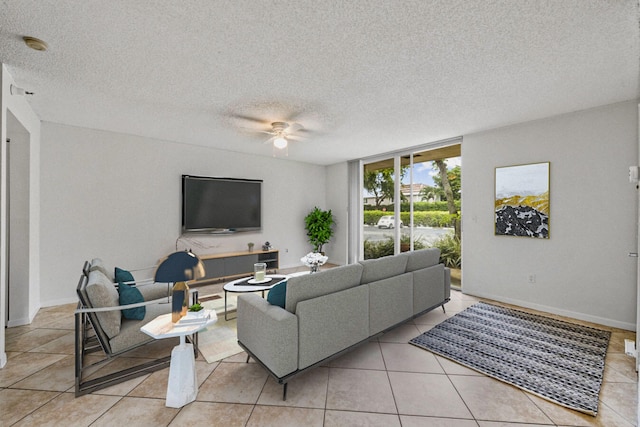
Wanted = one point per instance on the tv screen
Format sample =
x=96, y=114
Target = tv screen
x=220, y=204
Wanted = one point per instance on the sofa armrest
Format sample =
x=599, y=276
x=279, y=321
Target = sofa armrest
x=269, y=332
x=82, y=309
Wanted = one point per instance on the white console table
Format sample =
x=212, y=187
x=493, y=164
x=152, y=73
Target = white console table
x=183, y=384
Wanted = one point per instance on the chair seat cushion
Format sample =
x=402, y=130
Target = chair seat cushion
x=131, y=295
x=130, y=334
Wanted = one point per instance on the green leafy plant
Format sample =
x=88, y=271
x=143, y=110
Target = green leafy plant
x=450, y=250
x=380, y=248
x=420, y=218
x=196, y=307
x=319, y=226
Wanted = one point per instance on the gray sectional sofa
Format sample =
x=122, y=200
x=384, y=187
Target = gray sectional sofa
x=330, y=312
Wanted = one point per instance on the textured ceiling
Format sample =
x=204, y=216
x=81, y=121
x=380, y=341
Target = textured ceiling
x=364, y=77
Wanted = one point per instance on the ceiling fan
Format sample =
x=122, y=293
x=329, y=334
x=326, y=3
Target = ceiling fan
x=282, y=132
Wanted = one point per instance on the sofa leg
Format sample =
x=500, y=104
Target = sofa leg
x=248, y=357
x=284, y=391
x=443, y=309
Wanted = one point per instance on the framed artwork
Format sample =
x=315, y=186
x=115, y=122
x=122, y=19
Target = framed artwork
x=522, y=200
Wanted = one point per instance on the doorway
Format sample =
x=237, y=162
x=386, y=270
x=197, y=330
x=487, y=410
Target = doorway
x=410, y=200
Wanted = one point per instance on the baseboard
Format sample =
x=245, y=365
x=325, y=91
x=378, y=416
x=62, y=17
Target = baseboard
x=61, y=301
x=24, y=320
x=18, y=322
x=560, y=312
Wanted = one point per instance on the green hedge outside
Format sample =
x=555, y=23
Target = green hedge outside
x=420, y=219
x=417, y=206
x=449, y=245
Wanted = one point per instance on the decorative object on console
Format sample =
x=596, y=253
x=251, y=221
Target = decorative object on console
x=522, y=200
x=266, y=246
x=179, y=267
x=250, y=246
x=319, y=226
x=314, y=260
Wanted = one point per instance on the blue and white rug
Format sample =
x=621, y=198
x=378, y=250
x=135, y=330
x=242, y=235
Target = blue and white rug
x=560, y=361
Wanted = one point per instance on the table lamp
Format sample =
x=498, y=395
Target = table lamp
x=179, y=267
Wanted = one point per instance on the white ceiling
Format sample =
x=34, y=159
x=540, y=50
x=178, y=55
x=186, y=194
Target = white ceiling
x=366, y=76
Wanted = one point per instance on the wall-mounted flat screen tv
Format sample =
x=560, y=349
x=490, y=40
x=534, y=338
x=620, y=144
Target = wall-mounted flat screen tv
x=221, y=205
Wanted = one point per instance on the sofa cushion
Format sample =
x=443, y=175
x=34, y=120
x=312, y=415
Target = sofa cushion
x=131, y=295
x=97, y=264
x=331, y=323
x=277, y=294
x=383, y=268
x=429, y=288
x=300, y=288
x=121, y=275
x=422, y=258
x=390, y=302
x=103, y=293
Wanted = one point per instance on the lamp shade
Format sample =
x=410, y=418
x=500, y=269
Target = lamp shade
x=179, y=267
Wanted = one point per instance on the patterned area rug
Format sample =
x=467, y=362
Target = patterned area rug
x=556, y=360
x=220, y=340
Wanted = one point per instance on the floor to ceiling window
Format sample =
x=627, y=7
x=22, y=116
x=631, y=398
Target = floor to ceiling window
x=411, y=200
x=379, y=207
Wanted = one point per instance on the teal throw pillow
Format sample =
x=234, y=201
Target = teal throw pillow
x=121, y=275
x=131, y=295
x=277, y=294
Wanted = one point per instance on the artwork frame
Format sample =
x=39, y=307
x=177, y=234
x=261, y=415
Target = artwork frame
x=522, y=196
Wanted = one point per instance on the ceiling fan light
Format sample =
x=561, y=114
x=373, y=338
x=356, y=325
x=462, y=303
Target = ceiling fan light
x=280, y=142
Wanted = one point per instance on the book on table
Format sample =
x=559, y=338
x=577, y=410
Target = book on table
x=195, y=317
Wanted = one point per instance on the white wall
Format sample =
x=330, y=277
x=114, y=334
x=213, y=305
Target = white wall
x=583, y=270
x=18, y=109
x=117, y=197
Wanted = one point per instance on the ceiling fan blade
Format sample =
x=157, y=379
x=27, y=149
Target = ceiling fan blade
x=296, y=138
x=249, y=118
x=294, y=127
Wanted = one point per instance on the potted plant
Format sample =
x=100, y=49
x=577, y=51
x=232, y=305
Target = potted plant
x=319, y=226
x=196, y=307
x=250, y=245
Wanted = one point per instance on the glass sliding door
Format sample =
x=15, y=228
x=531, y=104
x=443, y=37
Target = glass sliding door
x=379, y=207
x=411, y=201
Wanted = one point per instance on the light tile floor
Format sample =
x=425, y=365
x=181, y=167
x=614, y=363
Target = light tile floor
x=385, y=382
